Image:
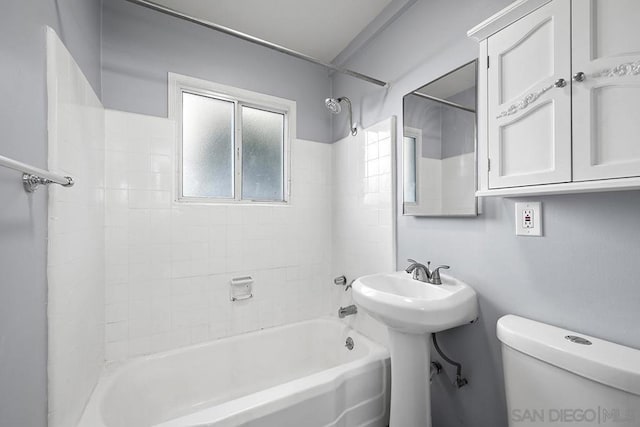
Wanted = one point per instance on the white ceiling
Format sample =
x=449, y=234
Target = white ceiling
x=319, y=28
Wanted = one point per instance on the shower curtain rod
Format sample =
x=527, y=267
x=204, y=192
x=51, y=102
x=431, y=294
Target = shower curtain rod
x=443, y=101
x=176, y=14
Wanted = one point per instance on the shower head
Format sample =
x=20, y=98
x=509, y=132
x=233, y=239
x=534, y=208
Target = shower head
x=334, y=105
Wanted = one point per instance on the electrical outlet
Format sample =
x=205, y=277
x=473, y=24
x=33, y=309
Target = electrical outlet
x=529, y=219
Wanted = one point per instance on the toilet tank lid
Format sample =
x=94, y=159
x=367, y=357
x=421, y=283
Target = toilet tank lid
x=605, y=362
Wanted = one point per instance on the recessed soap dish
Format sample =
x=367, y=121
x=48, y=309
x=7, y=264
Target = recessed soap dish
x=241, y=288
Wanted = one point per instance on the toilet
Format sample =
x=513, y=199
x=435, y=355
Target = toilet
x=555, y=377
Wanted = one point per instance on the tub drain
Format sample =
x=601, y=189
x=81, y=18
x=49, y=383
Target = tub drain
x=349, y=343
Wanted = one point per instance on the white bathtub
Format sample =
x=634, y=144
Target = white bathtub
x=295, y=375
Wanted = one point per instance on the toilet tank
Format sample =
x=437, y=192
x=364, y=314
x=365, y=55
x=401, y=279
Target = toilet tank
x=555, y=377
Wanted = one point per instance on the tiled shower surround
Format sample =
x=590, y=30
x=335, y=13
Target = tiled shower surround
x=363, y=214
x=75, y=262
x=132, y=271
x=169, y=263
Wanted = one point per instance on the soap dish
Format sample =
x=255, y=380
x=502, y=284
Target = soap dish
x=240, y=288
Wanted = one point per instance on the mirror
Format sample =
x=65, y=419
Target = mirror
x=439, y=146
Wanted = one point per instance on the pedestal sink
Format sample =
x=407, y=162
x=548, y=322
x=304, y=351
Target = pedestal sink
x=412, y=310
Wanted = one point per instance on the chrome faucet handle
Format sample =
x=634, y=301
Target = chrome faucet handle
x=435, y=275
x=340, y=280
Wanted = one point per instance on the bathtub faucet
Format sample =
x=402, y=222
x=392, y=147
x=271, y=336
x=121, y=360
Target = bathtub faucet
x=347, y=311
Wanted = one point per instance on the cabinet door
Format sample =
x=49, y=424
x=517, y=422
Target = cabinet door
x=529, y=130
x=606, y=97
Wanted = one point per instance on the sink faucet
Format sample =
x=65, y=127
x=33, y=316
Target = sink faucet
x=419, y=271
x=422, y=273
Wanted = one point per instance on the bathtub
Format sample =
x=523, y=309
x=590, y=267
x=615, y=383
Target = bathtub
x=295, y=375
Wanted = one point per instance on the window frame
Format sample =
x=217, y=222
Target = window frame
x=416, y=134
x=179, y=84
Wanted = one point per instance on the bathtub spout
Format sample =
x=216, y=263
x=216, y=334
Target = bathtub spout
x=347, y=311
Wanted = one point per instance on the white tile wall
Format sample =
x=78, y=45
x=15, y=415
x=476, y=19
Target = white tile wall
x=169, y=264
x=459, y=184
x=133, y=272
x=363, y=212
x=75, y=265
x=429, y=186
x=446, y=186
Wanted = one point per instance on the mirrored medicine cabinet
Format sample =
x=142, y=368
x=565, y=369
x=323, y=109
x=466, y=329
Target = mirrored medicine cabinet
x=439, y=146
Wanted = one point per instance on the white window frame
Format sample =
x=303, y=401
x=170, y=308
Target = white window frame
x=178, y=84
x=416, y=134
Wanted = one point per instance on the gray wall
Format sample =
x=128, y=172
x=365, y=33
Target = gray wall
x=446, y=131
x=141, y=46
x=458, y=125
x=426, y=115
x=581, y=275
x=23, y=218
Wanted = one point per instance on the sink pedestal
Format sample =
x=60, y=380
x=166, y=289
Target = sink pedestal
x=412, y=310
x=410, y=388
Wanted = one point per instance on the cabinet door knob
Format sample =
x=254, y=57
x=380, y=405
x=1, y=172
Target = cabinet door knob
x=579, y=77
x=560, y=83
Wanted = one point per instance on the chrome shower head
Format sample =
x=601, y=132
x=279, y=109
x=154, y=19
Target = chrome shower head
x=334, y=105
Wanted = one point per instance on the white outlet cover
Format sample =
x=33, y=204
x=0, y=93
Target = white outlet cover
x=536, y=209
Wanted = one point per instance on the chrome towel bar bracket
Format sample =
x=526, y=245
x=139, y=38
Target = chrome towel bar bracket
x=33, y=177
x=32, y=182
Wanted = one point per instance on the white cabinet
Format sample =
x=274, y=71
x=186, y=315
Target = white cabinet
x=606, y=103
x=561, y=97
x=530, y=99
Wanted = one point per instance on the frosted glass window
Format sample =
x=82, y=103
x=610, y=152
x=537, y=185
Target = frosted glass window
x=207, y=147
x=234, y=143
x=262, y=155
x=409, y=167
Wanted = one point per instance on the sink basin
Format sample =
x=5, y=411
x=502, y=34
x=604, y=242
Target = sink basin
x=412, y=310
x=412, y=306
